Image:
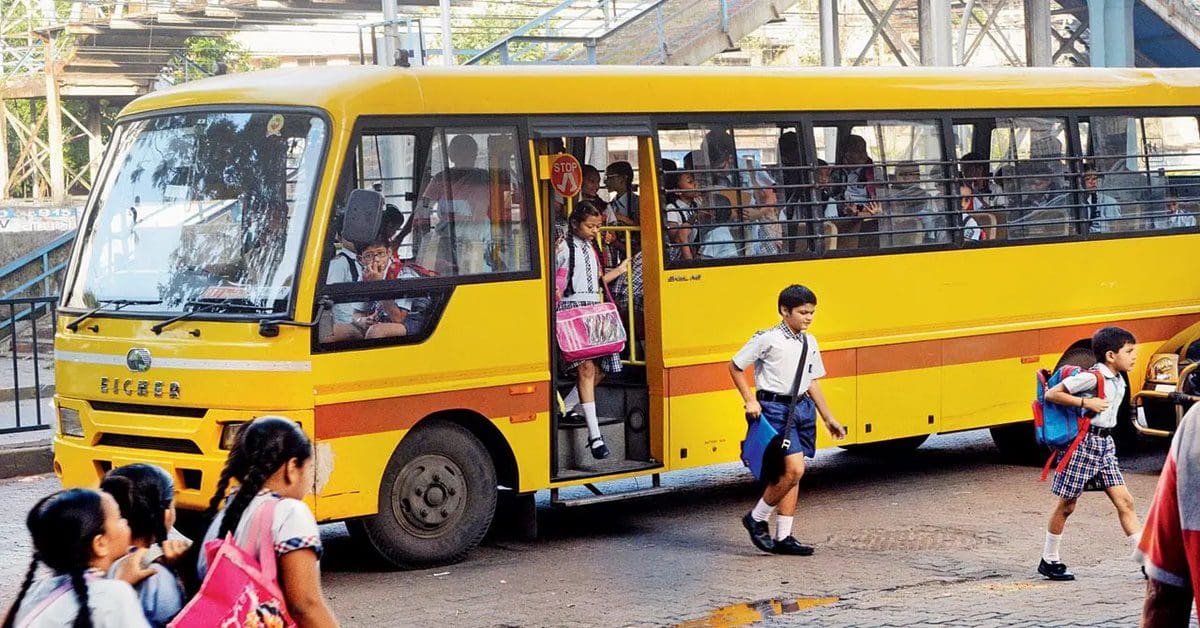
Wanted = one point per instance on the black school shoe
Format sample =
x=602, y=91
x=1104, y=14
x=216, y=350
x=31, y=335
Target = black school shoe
x=572, y=419
x=1055, y=571
x=760, y=534
x=599, y=449
x=791, y=547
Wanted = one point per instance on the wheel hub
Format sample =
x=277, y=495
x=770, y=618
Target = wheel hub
x=431, y=495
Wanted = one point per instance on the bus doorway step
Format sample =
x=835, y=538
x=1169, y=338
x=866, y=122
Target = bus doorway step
x=600, y=497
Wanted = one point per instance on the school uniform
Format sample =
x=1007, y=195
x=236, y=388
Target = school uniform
x=1093, y=466
x=775, y=354
x=581, y=287
x=293, y=527
x=51, y=603
x=1102, y=210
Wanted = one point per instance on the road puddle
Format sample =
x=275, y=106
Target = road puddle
x=748, y=613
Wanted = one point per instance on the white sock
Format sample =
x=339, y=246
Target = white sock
x=589, y=415
x=762, y=511
x=783, y=527
x=1050, y=550
x=571, y=400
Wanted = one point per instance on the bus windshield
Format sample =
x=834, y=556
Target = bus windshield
x=201, y=209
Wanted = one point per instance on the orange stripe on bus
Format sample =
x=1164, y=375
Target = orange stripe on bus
x=704, y=378
x=372, y=416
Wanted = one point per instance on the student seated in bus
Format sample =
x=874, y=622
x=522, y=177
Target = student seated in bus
x=907, y=197
x=682, y=201
x=974, y=169
x=1176, y=216
x=1099, y=208
x=854, y=183
x=716, y=237
x=969, y=205
x=389, y=318
x=1042, y=206
x=343, y=268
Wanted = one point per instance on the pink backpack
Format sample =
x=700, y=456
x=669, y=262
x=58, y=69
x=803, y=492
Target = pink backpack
x=238, y=590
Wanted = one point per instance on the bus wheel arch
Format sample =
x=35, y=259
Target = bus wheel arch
x=437, y=496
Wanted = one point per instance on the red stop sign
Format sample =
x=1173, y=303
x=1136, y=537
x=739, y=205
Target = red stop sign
x=566, y=175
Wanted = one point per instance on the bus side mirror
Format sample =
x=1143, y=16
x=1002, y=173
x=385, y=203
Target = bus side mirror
x=364, y=216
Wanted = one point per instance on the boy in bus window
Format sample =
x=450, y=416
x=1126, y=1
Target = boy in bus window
x=1177, y=217
x=775, y=354
x=388, y=318
x=1099, y=208
x=343, y=268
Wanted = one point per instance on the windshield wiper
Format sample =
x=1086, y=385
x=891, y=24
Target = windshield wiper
x=104, y=303
x=205, y=306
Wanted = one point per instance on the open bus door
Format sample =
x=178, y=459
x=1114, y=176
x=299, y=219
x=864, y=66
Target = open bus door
x=631, y=426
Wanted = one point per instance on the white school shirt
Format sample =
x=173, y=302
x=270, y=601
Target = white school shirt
x=113, y=604
x=1101, y=211
x=718, y=243
x=585, y=282
x=292, y=528
x=971, y=230
x=1114, y=392
x=775, y=354
x=340, y=272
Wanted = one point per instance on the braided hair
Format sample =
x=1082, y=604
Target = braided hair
x=63, y=526
x=144, y=493
x=262, y=447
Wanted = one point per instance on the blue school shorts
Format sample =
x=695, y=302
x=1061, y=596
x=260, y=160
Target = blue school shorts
x=804, y=430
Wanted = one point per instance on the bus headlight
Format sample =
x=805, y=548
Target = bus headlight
x=229, y=434
x=69, y=423
x=1164, y=367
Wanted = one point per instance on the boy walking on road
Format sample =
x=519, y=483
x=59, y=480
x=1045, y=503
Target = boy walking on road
x=1094, y=464
x=776, y=354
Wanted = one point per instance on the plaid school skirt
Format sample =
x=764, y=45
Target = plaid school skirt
x=610, y=363
x=1093, y=467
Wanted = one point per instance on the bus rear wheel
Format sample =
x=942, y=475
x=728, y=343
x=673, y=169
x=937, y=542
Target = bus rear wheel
x=436, y=500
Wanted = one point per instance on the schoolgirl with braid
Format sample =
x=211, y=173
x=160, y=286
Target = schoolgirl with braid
x=146, y=495
x=78, y=534
x=272, y=459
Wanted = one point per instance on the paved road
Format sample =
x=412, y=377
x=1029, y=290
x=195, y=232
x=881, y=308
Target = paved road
x=948, y=535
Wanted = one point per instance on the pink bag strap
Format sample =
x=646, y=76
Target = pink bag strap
x=54, y=596
x=263, y=520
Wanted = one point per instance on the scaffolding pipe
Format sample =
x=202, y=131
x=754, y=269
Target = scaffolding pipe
x=447, y=39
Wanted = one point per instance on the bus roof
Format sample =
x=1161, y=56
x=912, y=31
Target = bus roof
x=346, y=91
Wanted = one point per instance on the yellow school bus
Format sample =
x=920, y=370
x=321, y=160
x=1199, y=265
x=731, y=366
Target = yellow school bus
x=960, y=228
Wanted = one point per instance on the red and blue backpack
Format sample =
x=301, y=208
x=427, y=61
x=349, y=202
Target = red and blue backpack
x=1060, y=427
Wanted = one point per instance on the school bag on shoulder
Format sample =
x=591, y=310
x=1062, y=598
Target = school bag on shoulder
x=240, y=590
x=1060, y=427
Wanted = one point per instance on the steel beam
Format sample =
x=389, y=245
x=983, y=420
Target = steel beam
x=935, y=32
x=830, y=49
x=95, y=142
x=1110, y=39
x=1038, y=40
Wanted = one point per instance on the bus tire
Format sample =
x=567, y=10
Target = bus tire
x=436, y=500
x=892, y=447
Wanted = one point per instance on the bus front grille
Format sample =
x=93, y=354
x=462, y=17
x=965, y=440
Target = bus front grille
x=176, y=445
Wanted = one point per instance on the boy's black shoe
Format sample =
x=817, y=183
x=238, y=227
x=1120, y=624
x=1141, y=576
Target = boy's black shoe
x=791, y=547
x=760, y=534
x=1055, y=570
x=572, y=419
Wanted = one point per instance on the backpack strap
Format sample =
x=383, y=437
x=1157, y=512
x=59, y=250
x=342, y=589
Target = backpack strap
x=41, y=607
x=260, y=526
x=1085, y=423
x=353, y=265
x=788, y=421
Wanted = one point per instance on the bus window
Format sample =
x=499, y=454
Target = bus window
x=1139, y=173
x=726, y=196
x=1028, y=156
x=469, y=217
x=886, y=184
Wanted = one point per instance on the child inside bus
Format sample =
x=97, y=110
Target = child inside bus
x=79, y=533
x=388, y=318
x=577, y=283
x=1093, y=466
x=146, y=497
x=775, y=354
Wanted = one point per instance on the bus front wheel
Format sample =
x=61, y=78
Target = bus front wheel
x=436, y=500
